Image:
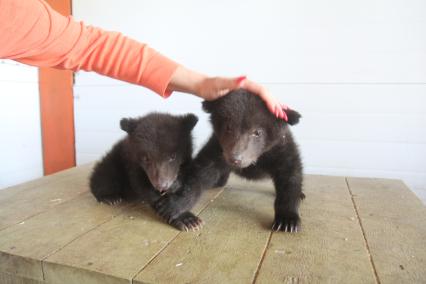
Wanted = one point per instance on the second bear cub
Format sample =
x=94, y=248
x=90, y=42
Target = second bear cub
x=249, y=141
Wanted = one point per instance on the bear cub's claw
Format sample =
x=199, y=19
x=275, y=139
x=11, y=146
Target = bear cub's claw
x=110, y=199
x=187, y=222
x=288, y=222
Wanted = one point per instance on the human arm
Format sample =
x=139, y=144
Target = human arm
x=33, y=33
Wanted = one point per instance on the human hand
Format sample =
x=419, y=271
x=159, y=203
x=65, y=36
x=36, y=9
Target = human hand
x=212, y=88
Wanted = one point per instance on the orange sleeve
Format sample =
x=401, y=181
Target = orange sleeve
x=33, y=33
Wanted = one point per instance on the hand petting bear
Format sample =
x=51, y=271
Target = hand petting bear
x=154, y=163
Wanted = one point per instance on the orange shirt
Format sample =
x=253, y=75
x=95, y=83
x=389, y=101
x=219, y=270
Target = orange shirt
x=33, y=33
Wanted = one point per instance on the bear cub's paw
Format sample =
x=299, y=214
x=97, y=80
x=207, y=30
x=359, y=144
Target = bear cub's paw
x=187, y=222
x=286, y=222
x=110, y=199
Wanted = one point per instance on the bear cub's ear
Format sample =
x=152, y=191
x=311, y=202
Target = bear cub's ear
x=128, y=124
x=293, y=116
x=189, y=121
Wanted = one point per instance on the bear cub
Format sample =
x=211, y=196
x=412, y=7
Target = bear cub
x=251, y=142
x=150, y=162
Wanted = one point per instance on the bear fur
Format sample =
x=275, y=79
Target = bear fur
x=150, y=162
x=251, y=142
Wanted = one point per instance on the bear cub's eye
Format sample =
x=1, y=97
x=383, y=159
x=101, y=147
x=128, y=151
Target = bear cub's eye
x=257, y=133
x=172, y=158
x=146, y=160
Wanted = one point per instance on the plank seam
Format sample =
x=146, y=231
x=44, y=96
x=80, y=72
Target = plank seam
x=22, y=220
x=376, y=276
x=52, y=206
x=172, y=239
x=43, y=260
x=39, y=213
x=262, y=258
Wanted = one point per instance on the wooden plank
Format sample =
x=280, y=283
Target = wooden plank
x=6, y=278
x=229, y=247
x=330, y=248
x=40, y=195
x=115, y=251
x=25, y=245
x=394, y=223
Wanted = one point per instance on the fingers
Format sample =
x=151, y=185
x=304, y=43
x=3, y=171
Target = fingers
x=274, y=106
x=214, y=88
x=257, y=89
x=225, y=85
x=240, y=81
x=285, y=117
x=222, y=92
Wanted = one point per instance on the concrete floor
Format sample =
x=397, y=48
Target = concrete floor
x=354, y=230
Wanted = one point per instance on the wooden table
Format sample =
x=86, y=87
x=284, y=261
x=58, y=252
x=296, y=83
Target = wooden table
x=355, y=230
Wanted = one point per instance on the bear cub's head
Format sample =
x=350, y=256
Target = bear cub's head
x=160, y=144
x=245, y=128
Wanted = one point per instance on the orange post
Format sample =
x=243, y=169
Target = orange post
x=57, y=111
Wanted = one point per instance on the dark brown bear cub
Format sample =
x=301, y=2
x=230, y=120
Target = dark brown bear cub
x=150, y=162
x=249, y=141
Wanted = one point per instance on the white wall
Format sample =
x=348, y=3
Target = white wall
x=356, y=70
x=20, y=140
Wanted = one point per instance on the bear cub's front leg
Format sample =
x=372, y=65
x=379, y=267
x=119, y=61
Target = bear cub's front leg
x=168, y=209
x=174, y=208
x=288, y=196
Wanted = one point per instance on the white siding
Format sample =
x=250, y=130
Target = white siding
x=20, y=141
x=356, y=70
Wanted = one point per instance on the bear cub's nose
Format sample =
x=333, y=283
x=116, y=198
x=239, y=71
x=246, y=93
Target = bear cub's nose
x=163, y=187
x=236, y=160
